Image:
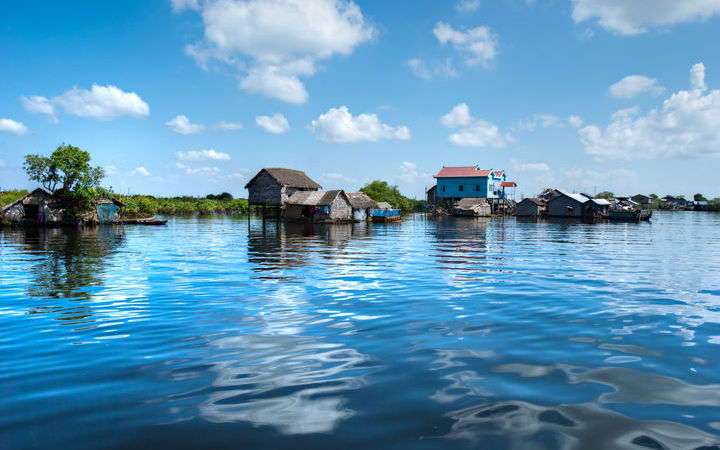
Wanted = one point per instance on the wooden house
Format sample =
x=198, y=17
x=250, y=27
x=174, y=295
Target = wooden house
x=577, y=205
x=531, y=207
x=35, y=208
x=319, y=206
x=641, y=199
x=454, y=183
x=362, y=205
x=273, y=186
x=431, y=195
x=474, y=207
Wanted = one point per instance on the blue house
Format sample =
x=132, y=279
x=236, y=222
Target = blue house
x=471, y=182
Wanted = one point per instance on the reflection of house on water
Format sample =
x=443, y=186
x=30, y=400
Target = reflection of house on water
x=276, y=246
x=69, y=261
x=461, y=243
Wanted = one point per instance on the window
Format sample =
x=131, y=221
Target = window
x=443, y=189
x=477, y=188
x=460, y=188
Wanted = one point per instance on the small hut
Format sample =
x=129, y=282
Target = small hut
x=34, y=208
x=362, y=205
x=385, y=212
x=473, y=207
x=109, y=210
x=319, y=206
x=273, y=186
x=531, y=207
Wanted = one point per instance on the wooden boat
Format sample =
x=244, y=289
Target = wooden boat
x=628, y=215
x=150, y=221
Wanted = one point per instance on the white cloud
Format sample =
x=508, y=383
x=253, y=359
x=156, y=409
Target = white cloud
x=182, y=5
x=575, y=121
x=473, y=132
x=530, y=166
x=626, y=17
x=467, y=5
x=421, y=69
x=2, y=163
x=544, y=120
x=100, y=102
x=12, y=126
x=687, y=125
x=229, y=126
x=478, y=44
x=633, y=85
x=202, y=155
x=274, y=43
x=338, y=125
x=202, y=171
x=110, y=169
x=697, y=77
x=140, y=171
x=181, y=124
x=275, y=124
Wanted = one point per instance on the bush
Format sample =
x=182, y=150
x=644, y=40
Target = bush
x=380, y=191
x=148, y=205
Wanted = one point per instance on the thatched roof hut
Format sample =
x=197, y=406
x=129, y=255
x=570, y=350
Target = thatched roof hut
x=272, y=186
x=319, y=206
x=360, y=200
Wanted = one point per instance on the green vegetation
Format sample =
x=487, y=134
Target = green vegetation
x=699, y=198
x=143, y=205
x=7, y=197
x=606, y=195
x=714, y=204
x=380, y=191
x=68, y=175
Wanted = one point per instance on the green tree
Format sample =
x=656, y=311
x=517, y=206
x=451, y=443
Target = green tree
x=380, y=191
x=67, y=168
x=699, y=198
x=606, y=195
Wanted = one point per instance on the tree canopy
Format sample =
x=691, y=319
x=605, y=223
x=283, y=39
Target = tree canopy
x=699, y=198
x=380, y=191
x=67, y=168
x=606, y=195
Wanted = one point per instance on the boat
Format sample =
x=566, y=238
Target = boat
x=149, y=221
x=625, y=215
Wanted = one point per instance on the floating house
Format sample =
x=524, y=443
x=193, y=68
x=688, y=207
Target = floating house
x=34, y=208
x=577, y=205
x=548, y=193
x=641, y=199
x=531, y=207
x=473, y=207
x=454, y=183
x=431, y=195
x=273, y=186
x=109, y=210
x=319, y=206
x=385, y=213
x=362, y=206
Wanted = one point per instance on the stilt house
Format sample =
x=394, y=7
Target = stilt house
x=273, y=186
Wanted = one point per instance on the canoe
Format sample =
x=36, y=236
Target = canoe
x=151, y=221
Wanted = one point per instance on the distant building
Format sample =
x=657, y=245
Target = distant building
x=548, y=193
x=319, y=206
x=273, y=186
x=531, y=207
x=472, y=207
x=384, y=205
x=109, y=210
x=362, y=205
x=641, y=199
x=454, y=183
x=577, y=205
x=431, y=195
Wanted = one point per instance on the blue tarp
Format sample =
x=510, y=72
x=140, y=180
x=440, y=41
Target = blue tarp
x=107, y=213
x=385, y=212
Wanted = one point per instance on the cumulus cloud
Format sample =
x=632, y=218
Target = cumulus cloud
x=473, y=132
x=634, y=85
x=100, y=102
x=202, y=155
x=12, y=126
x=467, y=5
x=275, y=124
x=421, y=70
x=529, y=166
x=479, y=44
x=181, y=124
x=228, y=126
x=182, y=5
x=338, y=125
x=2, y=163
x=202, y=171
x=274, y=43
x=140, y=171
x=636, y=17
x=686, y=125
x=697, y=77
x=544, y=120
x=575, y=121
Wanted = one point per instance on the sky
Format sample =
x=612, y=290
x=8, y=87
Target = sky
x=192, y=97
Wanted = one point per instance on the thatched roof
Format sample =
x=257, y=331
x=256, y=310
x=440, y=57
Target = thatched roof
x=384, y=205
x=314, y=198
x=288, y=178
x=360, y=200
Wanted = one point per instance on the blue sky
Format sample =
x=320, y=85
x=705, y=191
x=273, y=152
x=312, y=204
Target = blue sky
x=194, y=97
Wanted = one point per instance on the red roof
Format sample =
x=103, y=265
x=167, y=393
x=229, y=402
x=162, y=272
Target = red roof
x=499, y=173
x=508, y=184
x=462, y=172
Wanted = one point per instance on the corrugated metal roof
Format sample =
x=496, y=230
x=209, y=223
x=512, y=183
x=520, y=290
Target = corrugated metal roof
x=462, y=172
x=577, y=197
x=537, y=201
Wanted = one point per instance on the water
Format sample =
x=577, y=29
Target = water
x=227, y=333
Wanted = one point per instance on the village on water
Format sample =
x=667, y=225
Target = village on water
x=290, y=194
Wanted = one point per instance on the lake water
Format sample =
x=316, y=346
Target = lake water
x=226, y=332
